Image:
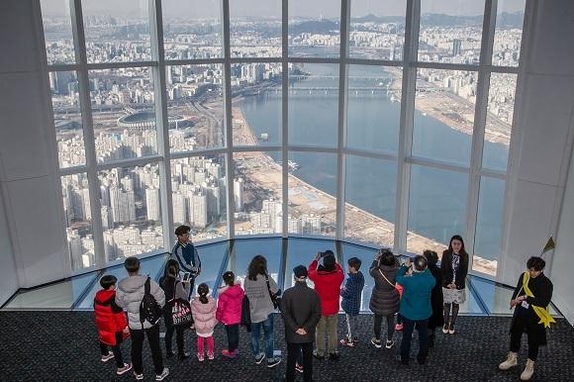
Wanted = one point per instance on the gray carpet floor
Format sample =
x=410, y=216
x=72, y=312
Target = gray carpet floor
x=62, y=346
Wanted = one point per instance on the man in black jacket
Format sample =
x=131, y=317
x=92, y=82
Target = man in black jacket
x=301, y=311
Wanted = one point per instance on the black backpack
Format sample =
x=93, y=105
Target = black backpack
x=149, y=308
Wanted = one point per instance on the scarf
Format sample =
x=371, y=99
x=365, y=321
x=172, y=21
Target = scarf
x=542, y=313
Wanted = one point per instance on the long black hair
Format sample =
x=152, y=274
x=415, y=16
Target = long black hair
x=171, y=270
x=257, y=266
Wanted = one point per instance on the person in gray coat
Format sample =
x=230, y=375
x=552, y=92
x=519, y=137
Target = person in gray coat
x=129, y=295
x=385, y=297
x=301, y=311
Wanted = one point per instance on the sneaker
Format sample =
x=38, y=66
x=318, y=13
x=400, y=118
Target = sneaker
x=334, y=356
x=398, y=327
x=210, y=356
x=183, y=356
x=318, y=356
x=376, y=342
x=228, y=354
x=274, y=362
x=445, y=328
x=163, y=374
x=346, y=342
x=139, y=377
x=106, y=358
x=200, y=357
x=259, y=358
x=451, y=329
x=298, y=367
x=127, y=367
x=389, y=344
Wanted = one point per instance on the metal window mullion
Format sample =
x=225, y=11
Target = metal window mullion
x=227, y=118
x=342, y=119
x=406, y=124
x=161, y=115
x=285, y=117
x=88, y=131
x=478, y=131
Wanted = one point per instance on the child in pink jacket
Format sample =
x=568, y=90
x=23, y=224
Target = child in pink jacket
x=203, y=309
x=229, y=312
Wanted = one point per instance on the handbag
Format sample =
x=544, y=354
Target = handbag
x=398, y=287
x=180, y=311
x=246, y=313
x=275, y=299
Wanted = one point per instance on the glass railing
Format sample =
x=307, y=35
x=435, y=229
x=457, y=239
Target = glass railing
x=484, y=297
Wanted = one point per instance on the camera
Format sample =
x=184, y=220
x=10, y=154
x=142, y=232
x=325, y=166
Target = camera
x=322, y=254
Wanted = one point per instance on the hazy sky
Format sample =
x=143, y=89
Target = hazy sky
x=268, y=8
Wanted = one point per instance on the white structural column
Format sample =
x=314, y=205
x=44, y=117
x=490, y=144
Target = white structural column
x=32, y=200
x=537, y=205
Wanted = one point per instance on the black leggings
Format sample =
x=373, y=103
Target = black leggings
x=390, y=326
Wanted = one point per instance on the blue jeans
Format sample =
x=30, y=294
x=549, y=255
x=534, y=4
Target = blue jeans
x=268, y=333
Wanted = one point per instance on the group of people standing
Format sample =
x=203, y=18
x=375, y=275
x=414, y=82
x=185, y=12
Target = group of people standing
x=420, y=294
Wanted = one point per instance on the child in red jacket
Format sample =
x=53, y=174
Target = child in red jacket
x=229, y=312
x=111, y=323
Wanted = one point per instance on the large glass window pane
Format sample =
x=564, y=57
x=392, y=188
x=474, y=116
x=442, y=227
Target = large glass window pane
x=444, y=115
x=312, y=186
x=500, y=111
x=255, y=31
x=257, y=115
x=198, y=196
x=58, y=32
x=192, y=29
x=130, y=209
x=116, y=32
x=313, y=104
x=302, y=251
x=451, y=31
x=195, y=106
x=123, y=112
x=257, y=193
x=488, y=226
x=508, y=32
x=437, y=208
x=314, y=28
x=212, y=256
x=76, y=200
x=377, y=29
x=373, y=118
x=67, y=118
x=245, y=250
x=371, y=196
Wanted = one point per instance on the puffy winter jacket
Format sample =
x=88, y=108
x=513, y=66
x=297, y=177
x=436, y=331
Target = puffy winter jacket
x=110, y=318
x=328, y=286
x=229, y=304
x=384, y=298
x=129, y=295
x=204, y=316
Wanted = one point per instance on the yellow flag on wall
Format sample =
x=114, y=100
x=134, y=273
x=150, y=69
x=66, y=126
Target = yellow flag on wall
x=549, y=245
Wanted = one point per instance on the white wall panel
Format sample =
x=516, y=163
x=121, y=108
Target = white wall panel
x=23, y=136
x=39, y=247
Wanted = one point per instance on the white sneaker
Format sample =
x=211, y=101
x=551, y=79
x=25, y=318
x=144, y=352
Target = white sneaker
x=121, y=370
x=163, y=374
x=106, y=358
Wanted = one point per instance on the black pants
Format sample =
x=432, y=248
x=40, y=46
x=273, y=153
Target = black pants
x=516, y=336
x=232, y=336
x=390, y=326
x=422, y=328
x=137, y=345
x=116, y=350
x=179, y=335
x=293, y=352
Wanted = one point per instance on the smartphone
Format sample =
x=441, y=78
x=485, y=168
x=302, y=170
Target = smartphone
x=186, y=276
